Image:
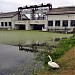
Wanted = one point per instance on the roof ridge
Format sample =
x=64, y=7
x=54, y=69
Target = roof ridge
x=67, y=7
x=8, y=14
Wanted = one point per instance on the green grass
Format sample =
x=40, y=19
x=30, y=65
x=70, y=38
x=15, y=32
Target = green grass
x=63, y=46
x=63, y=54
x=21, y=36
x=66, y=63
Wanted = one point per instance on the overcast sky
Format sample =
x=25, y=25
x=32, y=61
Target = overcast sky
x=12, y=5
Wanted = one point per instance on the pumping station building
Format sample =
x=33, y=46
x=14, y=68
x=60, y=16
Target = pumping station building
x=40, y=17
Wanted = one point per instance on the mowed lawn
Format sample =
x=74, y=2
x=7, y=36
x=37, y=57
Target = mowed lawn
x=14, y=37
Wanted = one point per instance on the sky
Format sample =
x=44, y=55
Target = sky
x=12, y=5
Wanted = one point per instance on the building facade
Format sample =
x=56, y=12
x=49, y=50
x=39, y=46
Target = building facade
x=61, y=18
x=7, y=20
x=57, y=19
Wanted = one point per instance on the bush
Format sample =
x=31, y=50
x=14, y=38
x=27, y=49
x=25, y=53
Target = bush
x=63, y=46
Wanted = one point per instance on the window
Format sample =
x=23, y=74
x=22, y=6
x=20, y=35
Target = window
x=2, y=24
x=9, y=23
x=65, y=23
x=5, y=23
x=57, y=23
x=72, y=22
x=50, y=23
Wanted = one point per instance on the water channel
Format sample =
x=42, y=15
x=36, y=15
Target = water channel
x=15, y=62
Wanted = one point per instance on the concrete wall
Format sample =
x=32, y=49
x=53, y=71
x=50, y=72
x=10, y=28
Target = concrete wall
x=28, y=23
x=23, y=22
x=12, y=20
x=53, y=18
x=68, y=17
x=37, y=21
x=5, y=20
x=61, y=17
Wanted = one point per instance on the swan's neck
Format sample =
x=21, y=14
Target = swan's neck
x=50, y=58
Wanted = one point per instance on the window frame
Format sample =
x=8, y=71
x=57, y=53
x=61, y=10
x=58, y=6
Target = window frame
x=10, y=24
x=2, y=24
x=71, y=23
x=6, y=23
x=50, y=23
x=63, y=22
x=57, y=21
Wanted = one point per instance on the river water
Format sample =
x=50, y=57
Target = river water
x=15, y=62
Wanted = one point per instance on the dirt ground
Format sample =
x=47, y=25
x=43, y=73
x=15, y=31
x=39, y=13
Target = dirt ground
x=66, y=63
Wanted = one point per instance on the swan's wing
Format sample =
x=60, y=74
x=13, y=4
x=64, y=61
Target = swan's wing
x=53, y=64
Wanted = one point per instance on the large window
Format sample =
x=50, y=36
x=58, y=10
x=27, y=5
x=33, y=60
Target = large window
x=72, y=22
x=57, y=23
x=65, y=23
x=5, y=23
x=9, y=23
x=50, y=23
x=2, y=24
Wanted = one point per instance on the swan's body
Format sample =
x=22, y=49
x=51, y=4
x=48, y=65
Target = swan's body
x=52, y=64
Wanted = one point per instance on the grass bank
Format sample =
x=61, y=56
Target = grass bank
x=63, y=46
x=66, y=62
x=64, y=56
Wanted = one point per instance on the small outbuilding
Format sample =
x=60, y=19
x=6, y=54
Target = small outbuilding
x=7, y=20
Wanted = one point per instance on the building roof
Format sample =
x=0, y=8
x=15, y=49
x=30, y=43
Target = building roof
x=62, y=10
x=8, y=14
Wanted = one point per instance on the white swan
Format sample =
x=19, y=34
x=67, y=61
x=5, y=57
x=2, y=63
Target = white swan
x=52, y=64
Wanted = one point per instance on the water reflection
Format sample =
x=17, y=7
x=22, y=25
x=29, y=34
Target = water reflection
x=13, y=61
